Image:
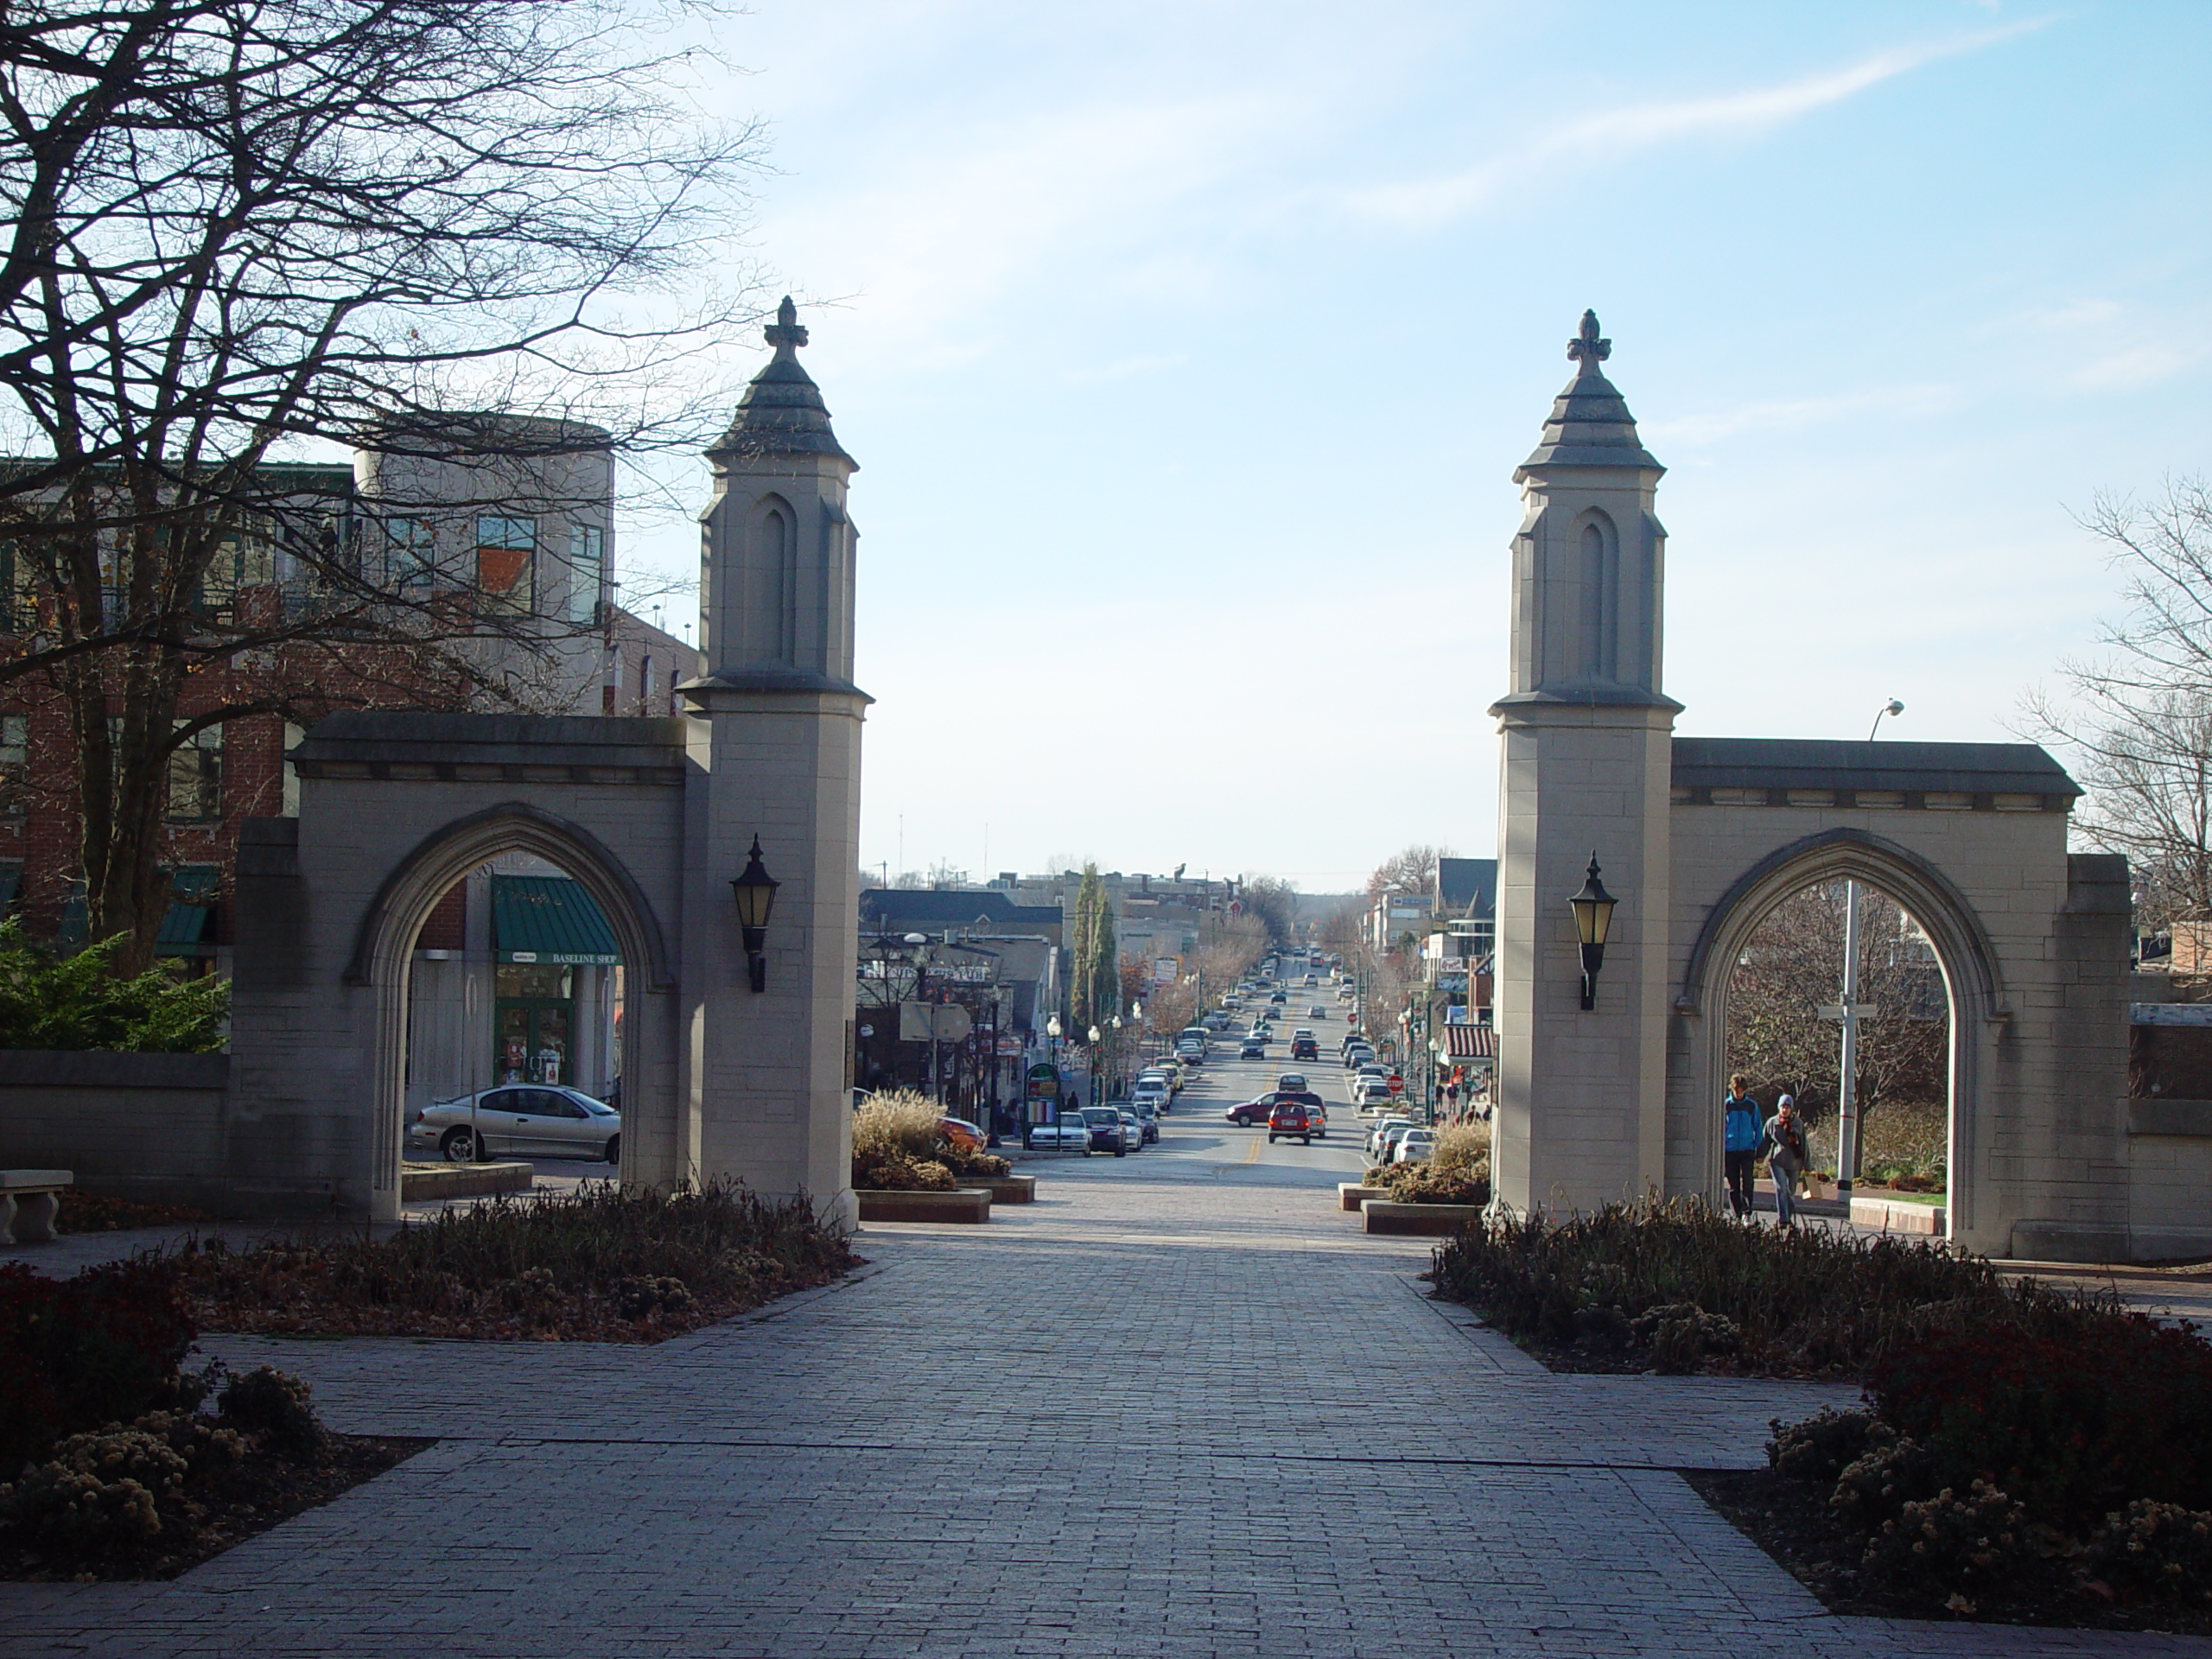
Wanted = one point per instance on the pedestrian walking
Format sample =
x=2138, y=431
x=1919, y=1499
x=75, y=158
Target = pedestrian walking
x=1740, y=1134
x=1788, y=1157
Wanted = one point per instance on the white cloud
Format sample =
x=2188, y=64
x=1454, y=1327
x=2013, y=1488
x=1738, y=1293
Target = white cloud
x=1616, y=132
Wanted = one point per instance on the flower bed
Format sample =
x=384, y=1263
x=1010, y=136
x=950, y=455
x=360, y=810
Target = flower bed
x=123, y=1471
x=599, y=1265
x=1675, y=1287
x=2055, y=1475
x=897, y=1147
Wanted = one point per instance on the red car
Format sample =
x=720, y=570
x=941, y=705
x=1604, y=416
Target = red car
x=1260, y=1108
x=1290, y=1117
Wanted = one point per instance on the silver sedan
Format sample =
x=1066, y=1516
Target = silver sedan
x=518, y=1120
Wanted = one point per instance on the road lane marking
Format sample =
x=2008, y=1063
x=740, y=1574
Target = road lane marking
x=1253, y=1156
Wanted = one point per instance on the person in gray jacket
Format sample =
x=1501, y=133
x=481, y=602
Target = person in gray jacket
x=1788, y=1156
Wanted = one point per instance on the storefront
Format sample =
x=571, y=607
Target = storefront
x=548, y=933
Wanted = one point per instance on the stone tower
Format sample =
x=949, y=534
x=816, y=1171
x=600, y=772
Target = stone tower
x=1587, y=765
x=777, y=755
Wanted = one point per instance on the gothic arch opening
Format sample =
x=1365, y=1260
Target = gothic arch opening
x=1763, y=950
x=775, y=567
x=563, y=1032
x=1784, y=1009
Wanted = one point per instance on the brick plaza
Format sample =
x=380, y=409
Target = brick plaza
x=1177, y=1408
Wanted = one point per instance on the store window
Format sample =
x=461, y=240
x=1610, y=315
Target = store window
x=411, y=554
x=534, y=1022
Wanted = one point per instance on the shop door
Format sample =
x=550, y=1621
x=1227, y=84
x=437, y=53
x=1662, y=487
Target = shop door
x=533, y=1018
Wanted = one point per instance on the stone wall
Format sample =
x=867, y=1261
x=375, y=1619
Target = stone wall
x=156, y=1128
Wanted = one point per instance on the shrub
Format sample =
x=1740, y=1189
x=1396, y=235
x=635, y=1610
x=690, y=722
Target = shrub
x=49, y=1000
x=1876, y=1486
x=1462, y=1146
x=558, y=1263
x=1821, y=1447
x=2075, y=1419
x=273, y=1404
x=1949, y=1542
x=1682, y=1335
x=1428, y=1183
x=98, y=1493
x=897, y=1147
x=102, y=1347
x=1803, y=1301
x=2159, y=1549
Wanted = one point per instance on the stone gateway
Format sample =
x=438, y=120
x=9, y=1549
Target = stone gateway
x=1699, y=839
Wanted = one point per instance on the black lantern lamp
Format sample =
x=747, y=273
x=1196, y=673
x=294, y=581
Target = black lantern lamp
x=1593, y=918
x=755, y=892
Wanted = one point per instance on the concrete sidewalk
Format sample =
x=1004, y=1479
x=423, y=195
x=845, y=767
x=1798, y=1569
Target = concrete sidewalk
x=1169, y=1409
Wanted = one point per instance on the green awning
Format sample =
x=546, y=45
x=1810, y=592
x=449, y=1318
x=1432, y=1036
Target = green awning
x=552, y=920
x=184, y=928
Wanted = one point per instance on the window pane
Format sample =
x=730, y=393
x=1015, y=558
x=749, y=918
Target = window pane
x=14, y=760
x=503, y=549
x=196, y=776
x=587, y=567
x=411, y=557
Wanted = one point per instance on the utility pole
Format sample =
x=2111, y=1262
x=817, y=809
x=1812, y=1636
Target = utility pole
x=1847, y=1015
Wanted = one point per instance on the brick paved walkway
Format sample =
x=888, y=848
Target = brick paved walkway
x=1178, y=1409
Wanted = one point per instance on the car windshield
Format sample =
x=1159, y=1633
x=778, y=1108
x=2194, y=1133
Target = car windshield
x=1100, y=1114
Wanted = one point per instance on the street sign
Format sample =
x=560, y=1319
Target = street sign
x=1856, y=1010
x=1397, y=1085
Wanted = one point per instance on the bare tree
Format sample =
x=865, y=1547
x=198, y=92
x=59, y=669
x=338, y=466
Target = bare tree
x=1411, y=870
x=243, y=233
x=1275, y=902
x=2139, y=722
x=1793, y=966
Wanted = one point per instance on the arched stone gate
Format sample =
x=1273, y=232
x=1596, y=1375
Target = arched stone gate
x=1699, y=837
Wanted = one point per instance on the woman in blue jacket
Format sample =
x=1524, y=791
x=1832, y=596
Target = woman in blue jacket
x=1741, y=1133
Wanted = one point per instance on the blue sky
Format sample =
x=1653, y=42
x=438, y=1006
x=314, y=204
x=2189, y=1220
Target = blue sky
x=1188, y=350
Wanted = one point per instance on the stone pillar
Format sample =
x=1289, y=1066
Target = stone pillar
x=776, y=753
x=1587, y=767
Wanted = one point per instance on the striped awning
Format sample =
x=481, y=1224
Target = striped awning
x=551, y=921
x=1470, y=1042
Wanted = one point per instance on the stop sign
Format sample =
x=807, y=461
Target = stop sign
x=1397, y=1085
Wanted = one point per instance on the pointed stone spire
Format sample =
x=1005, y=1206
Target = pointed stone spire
x=1590, y=425
x=782, y=412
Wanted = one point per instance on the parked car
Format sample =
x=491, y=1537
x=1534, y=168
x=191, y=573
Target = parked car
x=962, y=1134
x=1365, y=1089
x=1291, y=1081
x=1375, y=1135
x=1387, y=1152
x=1133, y=1134
x=1289, y=1118
x=1147, y=1115
x=1071, y=1134
x=1106, y=1134
x=1252, y=1048
x=1357, y=1056
x=1305, y=1048
x=1150, y=1094
x=517, y=1119
x=1414, y=1146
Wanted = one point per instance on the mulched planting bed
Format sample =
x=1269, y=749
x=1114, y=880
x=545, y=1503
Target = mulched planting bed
x=1790, y=1520
x=596, y=1266
x=222, y=1508
x=84, y=1213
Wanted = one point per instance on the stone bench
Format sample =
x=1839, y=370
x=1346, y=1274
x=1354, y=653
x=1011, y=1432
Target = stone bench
x=963, y=1204
x=30, y=1201
x=1005, y=1189
x=1425, y=1220
x=1351, y=1194
x=1898, y=1216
